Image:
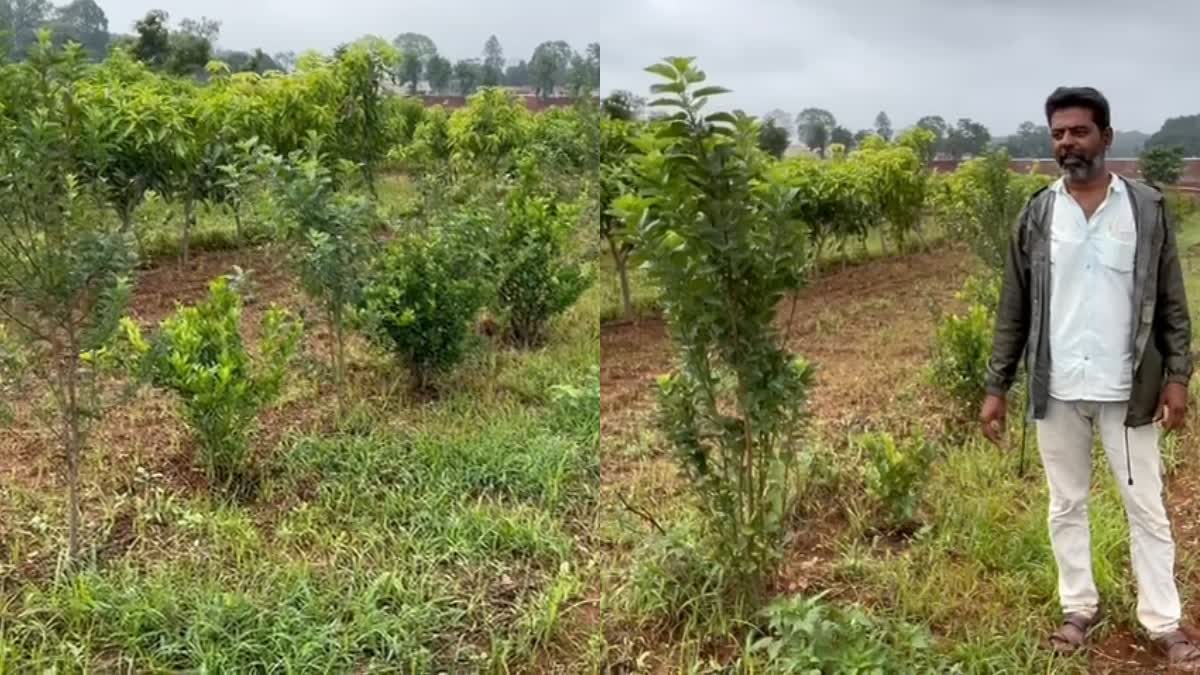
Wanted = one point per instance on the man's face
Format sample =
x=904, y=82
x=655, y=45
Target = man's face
x=1079, y=144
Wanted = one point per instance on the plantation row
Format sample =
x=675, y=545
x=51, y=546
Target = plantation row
x=136, y=131
x=503, y=212
x=882, y=187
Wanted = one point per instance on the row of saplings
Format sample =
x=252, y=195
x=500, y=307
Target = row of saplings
x=418, y=295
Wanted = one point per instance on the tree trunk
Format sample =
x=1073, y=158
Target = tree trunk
x=338, y=359
x=125, y=211
x=623, y=274
x=72, y=437
x=369, y=176
x=189, y=219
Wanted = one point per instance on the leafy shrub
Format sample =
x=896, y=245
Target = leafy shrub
x=199, y=354
x=1181, y=205
x=423, y=294
x=963, y=346
x=714, y=224
x=404, y=115
x=565, y=138
x=430, y=141
x=896, y=474
x=979, y=204
x=538, y=279
x=491, y=126
x=331, y=243
x=808, y=635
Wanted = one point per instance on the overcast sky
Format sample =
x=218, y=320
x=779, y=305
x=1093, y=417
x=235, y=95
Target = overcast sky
x=458, y=27
x=992, y=60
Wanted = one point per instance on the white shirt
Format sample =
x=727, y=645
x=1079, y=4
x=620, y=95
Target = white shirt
x=1091, y=297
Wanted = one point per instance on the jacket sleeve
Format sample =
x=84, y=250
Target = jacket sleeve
x=1012, y=315
x=1172, y=329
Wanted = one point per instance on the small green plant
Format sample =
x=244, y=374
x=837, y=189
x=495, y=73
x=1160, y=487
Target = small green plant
x=199, y=354
x=962, y=347
x=538, y=279
x=332, y=241
x=896, y=474
x=807, y=635
x=423, y=294
x=961, y=352
x=1181, y=205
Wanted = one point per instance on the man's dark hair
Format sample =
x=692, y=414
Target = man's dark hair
x=1079, y=97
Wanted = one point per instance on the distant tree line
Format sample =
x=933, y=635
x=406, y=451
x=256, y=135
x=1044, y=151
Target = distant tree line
x=553, y=68
x=186, y=49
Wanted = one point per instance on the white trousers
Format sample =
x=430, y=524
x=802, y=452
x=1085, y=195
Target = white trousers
x=1065, y=438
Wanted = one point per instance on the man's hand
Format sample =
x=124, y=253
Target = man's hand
x=993, y=417
x=1172, y=406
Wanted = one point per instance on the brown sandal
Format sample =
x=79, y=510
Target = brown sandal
x=1182, y=654
x=1070, y=636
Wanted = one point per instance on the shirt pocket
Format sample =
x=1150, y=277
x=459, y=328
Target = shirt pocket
x=1117, y=254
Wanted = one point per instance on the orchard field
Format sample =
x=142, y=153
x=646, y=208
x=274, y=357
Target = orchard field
x=792, y=477
x=299, y=376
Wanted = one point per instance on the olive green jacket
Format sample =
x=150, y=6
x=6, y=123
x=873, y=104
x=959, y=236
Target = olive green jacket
x=1161, y=337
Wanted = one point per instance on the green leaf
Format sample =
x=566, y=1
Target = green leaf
x=668, y=88
x=662, y=70
x=717, y=117
x=711, y=91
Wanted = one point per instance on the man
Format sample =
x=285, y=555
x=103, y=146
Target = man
x=1093, y=296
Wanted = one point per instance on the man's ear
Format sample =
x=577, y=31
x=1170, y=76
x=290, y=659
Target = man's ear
x=1108, y=134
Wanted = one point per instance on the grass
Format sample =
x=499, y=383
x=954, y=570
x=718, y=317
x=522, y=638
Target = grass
x=973, y=590
x=423, y=536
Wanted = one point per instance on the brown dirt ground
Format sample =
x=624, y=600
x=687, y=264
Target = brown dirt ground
x=146, y=431
x=868, y=328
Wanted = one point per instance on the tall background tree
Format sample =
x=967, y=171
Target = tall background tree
x=774, y=139
x=781, y=118
x=549, y=65
x=518, y=75
x=82, y=21
x=22, y=19
x=467, y=76
x=967, y=139
x=438, y=73
x=842, y=135
x=415, y=51
x=937, y=125
x=814, y=128
x=493, y=62
x=584, y=75
x=883, y=126
x=1031, y=140
x=152, y=46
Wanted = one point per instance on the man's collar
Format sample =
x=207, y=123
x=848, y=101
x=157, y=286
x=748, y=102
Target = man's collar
x=1115, y=184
